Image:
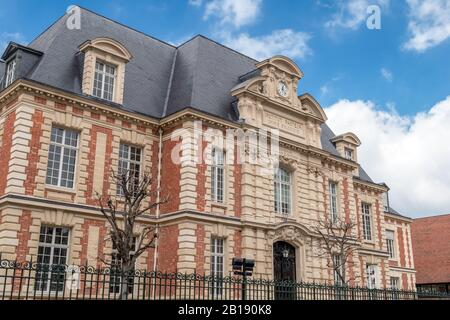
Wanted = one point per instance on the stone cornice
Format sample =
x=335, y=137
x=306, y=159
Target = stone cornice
x=373, y=252
x=286, y=107
x=397, y=217
x=369, y=185
x=58, y=95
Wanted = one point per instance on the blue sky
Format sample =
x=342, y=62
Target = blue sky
x=389, y=86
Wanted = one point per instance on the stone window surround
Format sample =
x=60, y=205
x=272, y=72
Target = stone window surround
x=110, y=52
x=77, y=160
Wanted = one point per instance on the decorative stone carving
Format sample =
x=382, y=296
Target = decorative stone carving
x=287, y=233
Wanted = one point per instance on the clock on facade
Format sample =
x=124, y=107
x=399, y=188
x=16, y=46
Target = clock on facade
x=282, y=89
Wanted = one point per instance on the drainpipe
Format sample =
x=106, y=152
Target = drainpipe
x=158, y=198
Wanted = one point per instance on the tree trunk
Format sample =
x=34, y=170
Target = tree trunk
x=125, y=275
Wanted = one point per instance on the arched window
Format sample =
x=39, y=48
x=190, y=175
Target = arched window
x=282, y=185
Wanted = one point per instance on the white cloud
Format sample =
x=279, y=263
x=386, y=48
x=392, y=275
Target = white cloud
x=285, y=42
x=235, y=12
x=6, y=37
x=351, y=14
x=387, y=74
x=429, y=24
x=195, y=3
x=324, y=90
x=410, y=154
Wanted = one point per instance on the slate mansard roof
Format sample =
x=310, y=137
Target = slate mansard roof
x=160, y=80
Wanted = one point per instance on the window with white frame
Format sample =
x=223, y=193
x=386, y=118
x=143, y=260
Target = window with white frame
x=367, y=221
x=53, y=251
x=333, y=190
x=348, y=153
x=104, y=81
x=129, y=166
x=62, y=157
x=282, y=185
x=385, y=200
x=390, y=243
x=217, y=175
x=371, y=273
x=10, y=73
x=116, y=279
x=338, y=269
x=395, y=283
x=217, y=264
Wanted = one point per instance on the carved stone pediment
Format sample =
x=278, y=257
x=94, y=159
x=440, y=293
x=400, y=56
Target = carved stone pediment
x=289, y=233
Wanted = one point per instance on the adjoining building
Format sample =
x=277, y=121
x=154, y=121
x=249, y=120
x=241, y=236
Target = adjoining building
x=431, y=243
x=76, y=103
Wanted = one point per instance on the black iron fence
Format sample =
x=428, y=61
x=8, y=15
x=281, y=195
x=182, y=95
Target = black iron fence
x=32, y=281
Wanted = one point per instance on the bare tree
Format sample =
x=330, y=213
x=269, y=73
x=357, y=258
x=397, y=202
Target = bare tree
x=337, y=245
x=132, y=200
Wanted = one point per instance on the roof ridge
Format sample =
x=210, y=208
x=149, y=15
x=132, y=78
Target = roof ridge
x=224, y=46
x=128, y=27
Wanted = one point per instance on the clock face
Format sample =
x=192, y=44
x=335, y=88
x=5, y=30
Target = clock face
x=282, y=89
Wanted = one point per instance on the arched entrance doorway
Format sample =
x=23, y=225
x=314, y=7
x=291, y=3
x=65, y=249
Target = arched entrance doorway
x=284, y=269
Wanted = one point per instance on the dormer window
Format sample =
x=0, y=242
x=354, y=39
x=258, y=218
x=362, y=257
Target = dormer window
x=104, y=67
x=104, y=81
x=348, y=154
x=347, y=146
x=10, y=73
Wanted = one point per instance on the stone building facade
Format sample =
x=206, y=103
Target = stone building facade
x=76, y=104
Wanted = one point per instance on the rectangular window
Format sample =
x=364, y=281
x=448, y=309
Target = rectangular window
x=390, y=242
x=348, y=154
x=385, y=200
x=395, y=283
x=217, y=265
x=62, y=157
x=372, y=281
x=338, y=269
x=130, y=166
x=367, y=221
x=104, y=79
x=282, y=186
x=334, y=215
x=115, y=279
x=10, y=73
x=52, y=256
x=217, y=175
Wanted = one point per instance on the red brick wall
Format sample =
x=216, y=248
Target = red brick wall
x=431, y=247
x=346, y=200
x=168, y=249
x=363, y=271
x=170, y=178
x=401, y=245
x=5, y=150
x=358, y=213
x=23, y=236
x=380, y=233
x=404, y=281
x=91, y=197
x=350, y=269
x=237, y=250
x=201, y=246
x=85, y=240
x=33, y=155
x=201, y=176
